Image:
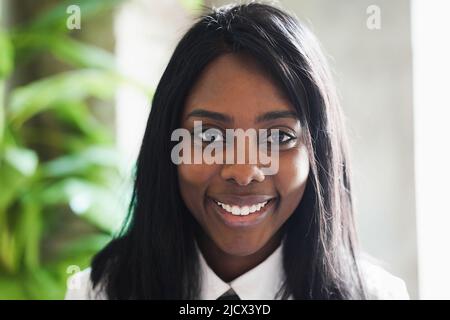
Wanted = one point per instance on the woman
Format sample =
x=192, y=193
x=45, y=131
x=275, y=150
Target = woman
x=234, y=230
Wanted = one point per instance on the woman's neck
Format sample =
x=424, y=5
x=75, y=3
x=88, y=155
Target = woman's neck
x=229, y=267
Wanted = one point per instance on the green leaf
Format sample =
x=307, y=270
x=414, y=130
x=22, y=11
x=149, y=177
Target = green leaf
x=75, y=164
x=6, y=55
x=99, y=205
x=16, y=173
x=55, y=19
x=78, y=115
x=20, y=234
x=6, y=67
x=12, y=288
x=66, y=49
x=2, y=114
x=40, y=278
x=53, y=91
x=192, y=5
x=29, y=232
x=81, y=55
x=86, y=245
x=8, y=248
x=23, y=160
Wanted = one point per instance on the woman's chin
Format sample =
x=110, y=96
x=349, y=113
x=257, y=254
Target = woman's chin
x=239, y=248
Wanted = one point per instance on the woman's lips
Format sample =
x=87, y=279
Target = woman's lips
x=242, y=200
x=245, y=210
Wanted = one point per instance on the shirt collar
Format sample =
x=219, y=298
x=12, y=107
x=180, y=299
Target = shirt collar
x=260, y=283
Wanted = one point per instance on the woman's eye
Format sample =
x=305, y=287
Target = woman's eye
x=211, y=135
x=280, y=137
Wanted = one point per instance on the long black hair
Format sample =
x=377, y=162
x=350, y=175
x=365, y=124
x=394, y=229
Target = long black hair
x=155, y=257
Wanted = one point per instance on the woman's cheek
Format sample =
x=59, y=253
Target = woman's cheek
x=196, y=175
x=293, y=171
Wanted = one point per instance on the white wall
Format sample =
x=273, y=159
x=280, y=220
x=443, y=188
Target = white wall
x=431, y=30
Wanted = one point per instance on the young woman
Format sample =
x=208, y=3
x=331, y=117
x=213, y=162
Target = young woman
x=232, y=230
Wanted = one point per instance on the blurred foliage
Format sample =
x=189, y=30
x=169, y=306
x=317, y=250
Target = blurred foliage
x=62, y=191
x=192, y=5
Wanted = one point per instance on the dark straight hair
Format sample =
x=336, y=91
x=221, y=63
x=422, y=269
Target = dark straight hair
x=155, y=257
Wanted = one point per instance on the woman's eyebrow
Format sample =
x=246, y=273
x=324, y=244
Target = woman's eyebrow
x=268, y=116
x=273, y=115
x=210, y=114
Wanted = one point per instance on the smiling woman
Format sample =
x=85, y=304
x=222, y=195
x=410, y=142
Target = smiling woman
x=221, y=230
x=220, y=197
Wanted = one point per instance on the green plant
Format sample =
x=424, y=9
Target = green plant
x=62, y=192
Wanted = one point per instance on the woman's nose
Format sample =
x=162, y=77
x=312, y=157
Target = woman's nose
x=242, y=174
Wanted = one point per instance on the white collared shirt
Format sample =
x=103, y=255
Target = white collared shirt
x=260, y=283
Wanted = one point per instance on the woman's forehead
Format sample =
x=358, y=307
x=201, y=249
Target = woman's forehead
x=235, y=85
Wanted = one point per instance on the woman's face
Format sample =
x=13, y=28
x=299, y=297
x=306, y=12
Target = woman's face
x=231, y=93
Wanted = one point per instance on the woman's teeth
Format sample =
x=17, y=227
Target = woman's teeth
x=242, y=211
